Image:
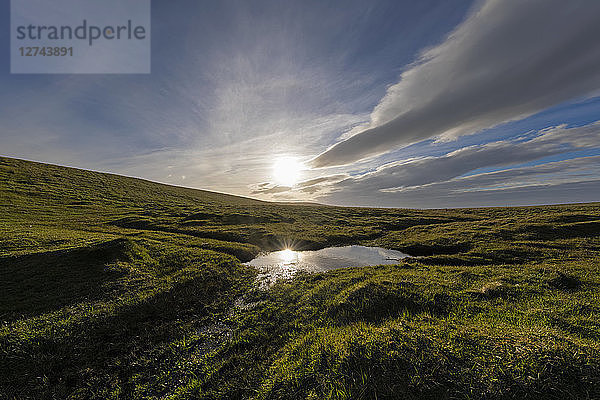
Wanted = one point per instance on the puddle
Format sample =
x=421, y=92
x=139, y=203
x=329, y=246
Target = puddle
x=285, y=264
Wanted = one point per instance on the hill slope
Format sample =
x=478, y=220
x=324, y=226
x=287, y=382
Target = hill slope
x=116, y=287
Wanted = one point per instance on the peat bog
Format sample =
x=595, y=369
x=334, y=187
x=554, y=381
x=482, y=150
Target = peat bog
x=120, y=288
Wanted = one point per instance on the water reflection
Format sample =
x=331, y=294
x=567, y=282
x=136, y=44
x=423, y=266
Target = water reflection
x=288, y=256
x=285, y=263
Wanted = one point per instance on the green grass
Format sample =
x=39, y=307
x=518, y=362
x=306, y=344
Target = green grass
x=118, y=288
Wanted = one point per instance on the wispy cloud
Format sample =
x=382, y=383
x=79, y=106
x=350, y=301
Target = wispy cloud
x=508, y=60
x=436, y=178
x=568, y=181
x=309, y=186
x=520, y=150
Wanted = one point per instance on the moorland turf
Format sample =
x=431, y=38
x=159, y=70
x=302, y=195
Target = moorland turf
x=118, y=288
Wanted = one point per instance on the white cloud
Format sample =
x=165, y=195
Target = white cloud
x=508, y=60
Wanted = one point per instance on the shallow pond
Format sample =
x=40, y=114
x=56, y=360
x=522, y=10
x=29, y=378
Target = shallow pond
x=285, y=263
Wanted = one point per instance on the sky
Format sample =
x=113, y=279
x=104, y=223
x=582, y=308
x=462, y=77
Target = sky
x=394, y=103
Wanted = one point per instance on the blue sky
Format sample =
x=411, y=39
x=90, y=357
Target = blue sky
x=385, y=103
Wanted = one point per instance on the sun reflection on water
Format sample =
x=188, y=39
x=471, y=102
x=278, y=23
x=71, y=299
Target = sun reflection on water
x=288, y=256
x=284, y=264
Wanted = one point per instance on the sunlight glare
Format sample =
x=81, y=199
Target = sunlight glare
x=287, y=171
x=287, y=256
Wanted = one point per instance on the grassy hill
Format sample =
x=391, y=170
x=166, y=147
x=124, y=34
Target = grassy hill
x=117, y=288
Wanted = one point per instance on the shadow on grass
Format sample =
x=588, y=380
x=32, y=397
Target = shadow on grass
x=42, y=282
x=110, y=354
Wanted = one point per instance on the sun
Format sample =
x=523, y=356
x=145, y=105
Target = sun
x=287, y=171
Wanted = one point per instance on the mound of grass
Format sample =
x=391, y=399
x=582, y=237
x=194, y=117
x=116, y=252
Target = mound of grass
x=564, y=281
